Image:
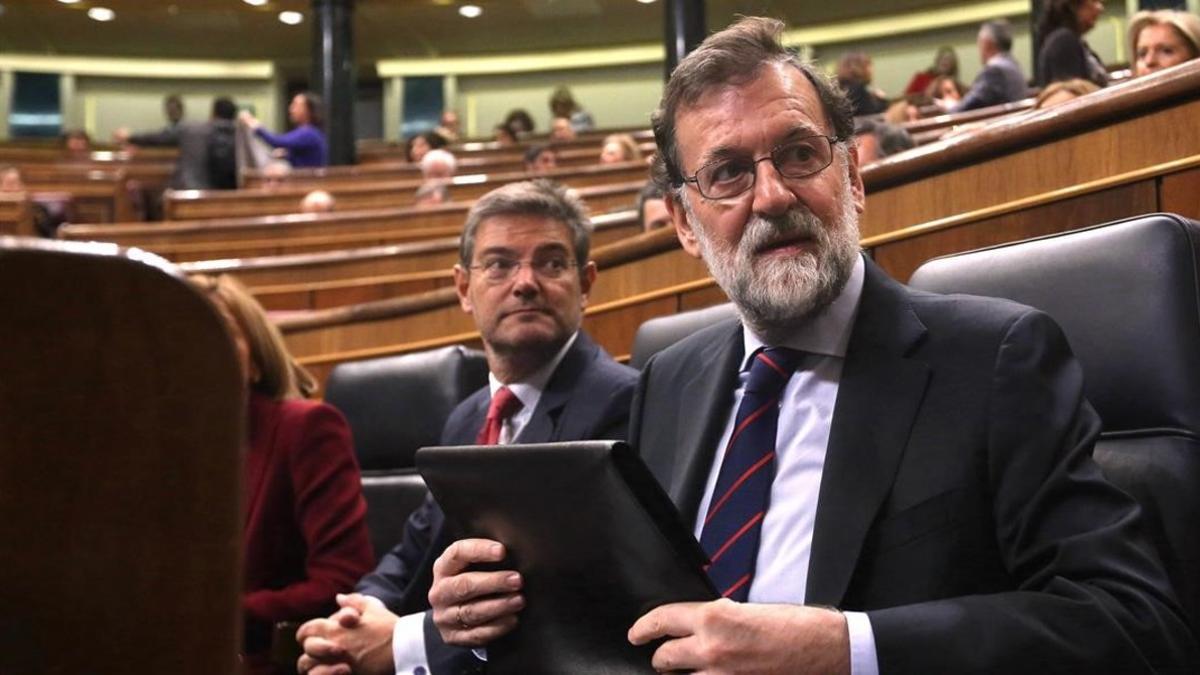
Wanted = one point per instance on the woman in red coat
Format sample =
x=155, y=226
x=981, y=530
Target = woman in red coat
x=305, y=537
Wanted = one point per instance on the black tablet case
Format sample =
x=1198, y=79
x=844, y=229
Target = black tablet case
x=593, y=534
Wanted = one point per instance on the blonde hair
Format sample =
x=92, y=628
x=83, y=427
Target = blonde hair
x=1187, y=25
x=279, y=376
x=1075, y=86
x=629, y=147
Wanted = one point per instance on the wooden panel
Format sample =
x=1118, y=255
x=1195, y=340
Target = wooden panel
x=670, y=268
x=120, y=466
x=1119, y=147
x=349, y=268
x=1180, y=193
x=901, y=258
x=614, y=330
x=707, y=297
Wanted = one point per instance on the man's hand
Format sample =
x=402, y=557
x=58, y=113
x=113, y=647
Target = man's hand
x=247, y=118
x=728, y=637
x=471, y=609
x=356, y=638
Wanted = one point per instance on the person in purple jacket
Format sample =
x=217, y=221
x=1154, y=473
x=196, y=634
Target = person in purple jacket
x=305, y=144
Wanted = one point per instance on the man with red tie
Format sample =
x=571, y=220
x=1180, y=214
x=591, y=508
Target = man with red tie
x=524, y=276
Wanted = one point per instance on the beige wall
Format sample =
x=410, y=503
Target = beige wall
x=617, y=96
x=103, y=104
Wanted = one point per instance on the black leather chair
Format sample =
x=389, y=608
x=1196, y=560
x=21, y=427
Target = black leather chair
x=656, y=335
x=396, y=405
x=1127, y=296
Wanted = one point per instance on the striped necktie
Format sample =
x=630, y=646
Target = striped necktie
x=733, y=524
x=503, y=406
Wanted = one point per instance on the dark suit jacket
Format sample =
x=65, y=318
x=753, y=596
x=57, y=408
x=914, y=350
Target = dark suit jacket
x=587, y=397
x=959, y=504
x=306, y=530
x=192, y=169
x=998, y=82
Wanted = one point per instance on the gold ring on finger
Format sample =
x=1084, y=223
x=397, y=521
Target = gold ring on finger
x=462, y=622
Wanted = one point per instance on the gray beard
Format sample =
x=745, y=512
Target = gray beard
x=775, y=297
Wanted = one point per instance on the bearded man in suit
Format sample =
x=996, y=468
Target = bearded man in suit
x=886, y=481
x=925, y=499
x=524, y=276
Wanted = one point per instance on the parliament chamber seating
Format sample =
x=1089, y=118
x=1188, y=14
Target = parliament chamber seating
x=394, y=406
x=1127, y=296
x=656, y=335
x=122, y=413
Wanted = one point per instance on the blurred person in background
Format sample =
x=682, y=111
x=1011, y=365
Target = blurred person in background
x=1163, y=38
x=945, y=64
x=854, y=74
x=305, y=538
x=619, y=148
x=305, y=144
x=1063, y=54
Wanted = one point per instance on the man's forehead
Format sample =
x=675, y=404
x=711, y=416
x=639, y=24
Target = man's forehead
x=781, y=90
x=510, y=230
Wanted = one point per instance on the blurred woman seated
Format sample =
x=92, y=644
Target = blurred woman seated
x=945, y=64
x=306, y=537
x=619, y=148
x=1163, y=38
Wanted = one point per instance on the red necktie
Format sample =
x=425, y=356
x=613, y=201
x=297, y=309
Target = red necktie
x=504, y=405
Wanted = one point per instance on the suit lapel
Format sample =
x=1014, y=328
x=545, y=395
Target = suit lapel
x=544, y=424
x=702, y=410
x=878, y=398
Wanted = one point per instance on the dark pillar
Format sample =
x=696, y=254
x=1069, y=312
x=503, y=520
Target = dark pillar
x=333, y=74
x=684, y=28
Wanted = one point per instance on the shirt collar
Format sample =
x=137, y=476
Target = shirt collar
x=827, y=333
x=529, y=389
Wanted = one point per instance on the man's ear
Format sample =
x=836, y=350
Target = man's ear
x=683, y=229
x=462, y=283
x=587, y=277
x=856, y=182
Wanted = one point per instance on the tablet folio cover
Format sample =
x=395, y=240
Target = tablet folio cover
x=593, y=534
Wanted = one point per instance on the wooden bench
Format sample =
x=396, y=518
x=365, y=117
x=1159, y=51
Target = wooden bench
x=322, y=338
x=1129, y=127
x=371, y=152
x=306, y=295
x=296, y=233
x=97, y=195
x=123, y=427
x=336, y=176
x=202, y=204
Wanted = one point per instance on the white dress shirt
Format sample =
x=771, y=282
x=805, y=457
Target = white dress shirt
x=802, y=437
x=408, y=636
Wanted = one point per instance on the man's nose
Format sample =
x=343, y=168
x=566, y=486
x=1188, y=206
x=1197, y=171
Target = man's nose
x=525, y=280
x=772, y=195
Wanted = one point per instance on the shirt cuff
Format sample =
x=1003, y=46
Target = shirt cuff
x=408, y=645
x=863, y=660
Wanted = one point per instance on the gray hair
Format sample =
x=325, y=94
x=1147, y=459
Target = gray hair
x=734, y=56
x=999, y=32
x=890, y=138
x=538, y=197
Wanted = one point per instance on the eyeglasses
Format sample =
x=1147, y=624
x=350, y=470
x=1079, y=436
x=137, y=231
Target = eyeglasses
x=727, y=178
x=496, y=270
